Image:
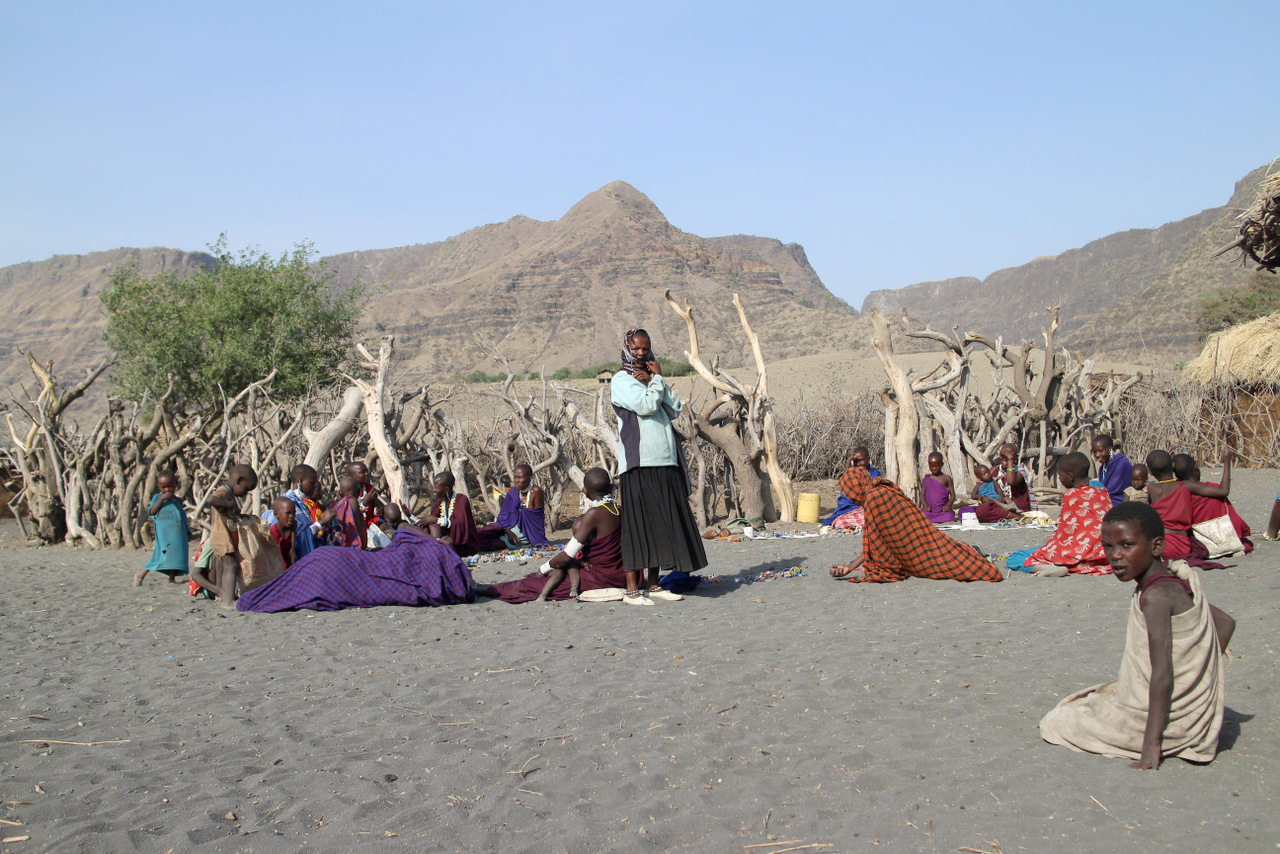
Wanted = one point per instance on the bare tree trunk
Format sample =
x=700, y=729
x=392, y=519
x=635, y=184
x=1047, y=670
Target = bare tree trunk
x=907, y=429
x=373, y=395
x=321, y=442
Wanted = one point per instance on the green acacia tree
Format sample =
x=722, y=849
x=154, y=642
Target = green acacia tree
x=218, y=330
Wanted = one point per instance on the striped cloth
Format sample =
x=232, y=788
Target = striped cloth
x=414, y=570
x=899, y=542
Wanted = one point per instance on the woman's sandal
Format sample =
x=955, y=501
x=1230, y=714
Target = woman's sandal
x=636, y=598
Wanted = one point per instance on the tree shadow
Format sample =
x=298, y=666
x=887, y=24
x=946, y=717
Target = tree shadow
x=1231, y=720
x=734, y=581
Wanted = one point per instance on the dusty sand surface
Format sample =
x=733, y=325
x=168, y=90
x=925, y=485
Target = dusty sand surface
x=805, y=711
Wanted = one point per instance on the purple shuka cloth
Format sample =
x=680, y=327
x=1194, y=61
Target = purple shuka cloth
x=414, y=570
x=935, y=499
x=532, y=521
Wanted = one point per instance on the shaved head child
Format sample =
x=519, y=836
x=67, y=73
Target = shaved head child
x=284, y=529
x=224, y=511
x=1075, y=545
x=1137, y=490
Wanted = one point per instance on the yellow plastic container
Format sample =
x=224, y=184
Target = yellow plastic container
x=807, y=507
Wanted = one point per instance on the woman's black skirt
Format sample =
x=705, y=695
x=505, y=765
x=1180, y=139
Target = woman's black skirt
x=657, y=524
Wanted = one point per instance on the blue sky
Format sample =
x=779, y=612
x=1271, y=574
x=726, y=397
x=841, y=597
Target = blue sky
x=897, y=146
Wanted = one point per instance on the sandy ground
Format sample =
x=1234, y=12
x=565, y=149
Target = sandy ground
x=803, y=711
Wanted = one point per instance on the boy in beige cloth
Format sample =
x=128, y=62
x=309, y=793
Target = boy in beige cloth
x=224, y=511
x=1168, y=700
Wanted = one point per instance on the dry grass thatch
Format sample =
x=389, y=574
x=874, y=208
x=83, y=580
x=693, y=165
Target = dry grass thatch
x=1248, y=354
x=1259, y=231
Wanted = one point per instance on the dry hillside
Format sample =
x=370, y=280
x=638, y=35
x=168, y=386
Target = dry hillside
x=550, y=294
x=1130, y=295
x=52, y=307
x=562, y=293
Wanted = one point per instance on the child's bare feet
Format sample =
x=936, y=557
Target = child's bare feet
x=1049, y=570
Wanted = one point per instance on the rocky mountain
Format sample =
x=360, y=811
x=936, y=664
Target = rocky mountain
x=551, y=294
x=563, y=293
x=1131, y=295
x=53, y=307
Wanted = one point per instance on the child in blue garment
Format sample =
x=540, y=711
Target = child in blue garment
x=1114, y=468
x=173, y=531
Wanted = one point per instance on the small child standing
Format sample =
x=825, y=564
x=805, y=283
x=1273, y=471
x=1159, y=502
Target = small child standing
x=937, y=493
x=1169, y=698
x=173, y=531
x=284, y=530
x=1137, y=490
x=223, y=574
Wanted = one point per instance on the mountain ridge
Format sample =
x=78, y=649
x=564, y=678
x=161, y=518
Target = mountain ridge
x=556, y=293
x=1156, y=274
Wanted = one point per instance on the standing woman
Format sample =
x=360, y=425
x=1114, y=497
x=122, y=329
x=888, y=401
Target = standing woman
x=657, y=526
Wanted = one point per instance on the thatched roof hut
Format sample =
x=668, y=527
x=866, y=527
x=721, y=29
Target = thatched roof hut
x=1244, y=355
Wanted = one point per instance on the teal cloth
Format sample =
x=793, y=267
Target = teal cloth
x=173, y=532
x=1018, y=560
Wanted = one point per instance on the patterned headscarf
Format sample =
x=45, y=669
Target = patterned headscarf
x=630, y=364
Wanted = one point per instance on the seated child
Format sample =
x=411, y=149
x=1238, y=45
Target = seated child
x=937, y=493
x=369, y=501
x=1209, y=501
x=1114, y=468
x=347, y=529
x=173, y=531
x=223, y=573
x=1168, y=700
x=1075, y=546
x=1171, y=499
x=1273, y=523
x=284, y=529
x=991, y=505
x=450, y=519
x=848, y=515
x=1013, y=480
x=391, y=518
x=592, y=560
x=1137, y=490
x=309, y=525
x=522, y=519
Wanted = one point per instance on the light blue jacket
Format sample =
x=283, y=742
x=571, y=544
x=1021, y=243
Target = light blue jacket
x=645, y=412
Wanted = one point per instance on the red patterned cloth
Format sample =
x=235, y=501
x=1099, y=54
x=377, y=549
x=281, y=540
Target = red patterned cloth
x=1077, y=543
x=347, y=528
x=900, y=543
x=855, y=520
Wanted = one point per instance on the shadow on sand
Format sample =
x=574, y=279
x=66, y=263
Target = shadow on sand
x=733, y=581
x=1231, y=720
